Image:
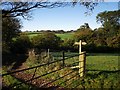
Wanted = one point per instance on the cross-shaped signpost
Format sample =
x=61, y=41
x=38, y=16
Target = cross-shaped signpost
x=80, y=43
x=82, y=58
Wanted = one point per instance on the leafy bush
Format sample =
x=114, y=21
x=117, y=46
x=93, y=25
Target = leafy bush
x=46, y=40
x=21, y=44
x=67, y=44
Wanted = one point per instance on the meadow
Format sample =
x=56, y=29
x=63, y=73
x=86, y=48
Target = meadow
x=65, y=35
x=101, y=72
x=62, y=35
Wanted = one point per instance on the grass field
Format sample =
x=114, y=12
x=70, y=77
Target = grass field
x=65, y=35
x=102, y=72
x=108, y=63
x=31, y=35
x=62, y=36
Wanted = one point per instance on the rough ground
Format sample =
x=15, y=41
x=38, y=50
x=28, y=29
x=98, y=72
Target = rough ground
x=23, y=77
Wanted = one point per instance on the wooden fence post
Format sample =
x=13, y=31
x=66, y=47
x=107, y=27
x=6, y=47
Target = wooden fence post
x=82, y=58
x=82, y=62
x=48, y=53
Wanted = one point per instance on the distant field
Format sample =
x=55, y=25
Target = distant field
x=62, y=36
x=31, y=35
x=65, y=35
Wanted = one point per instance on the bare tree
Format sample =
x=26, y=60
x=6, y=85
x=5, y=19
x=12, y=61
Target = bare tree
x=14, y=9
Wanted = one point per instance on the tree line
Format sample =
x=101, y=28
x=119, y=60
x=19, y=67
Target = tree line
x=102, y=39
x=11, y=23
x=53, y=31
x=105, y=38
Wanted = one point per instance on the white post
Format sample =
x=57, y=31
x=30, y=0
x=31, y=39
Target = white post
x=80, y=46
x=82, y=58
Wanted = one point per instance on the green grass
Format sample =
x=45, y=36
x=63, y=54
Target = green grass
x=9, y=81
x=65, y=35
x=102, y=63
x=31, y=35
x=62, y=36
x=102, y=72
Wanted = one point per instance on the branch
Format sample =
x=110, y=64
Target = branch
x=14, y=9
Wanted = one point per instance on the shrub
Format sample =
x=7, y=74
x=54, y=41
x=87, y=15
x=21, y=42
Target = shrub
x=21, y=44
x=46, y=40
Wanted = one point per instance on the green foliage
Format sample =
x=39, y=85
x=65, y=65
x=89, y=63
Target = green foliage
x=103, y=39
x=61, y=35
x=99, y=42
x=99, y=33
x=83, y=33
x=68, y=44
x=64, y=36
x=10, y=29
x=9, y=81
x=5, y=48
x=102, y=72
x=21, y=44
x=110, y=21
x=46, y=40
x=114, y=41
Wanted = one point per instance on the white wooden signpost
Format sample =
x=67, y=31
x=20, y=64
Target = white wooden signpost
x=80, y=43
x=82, y=58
